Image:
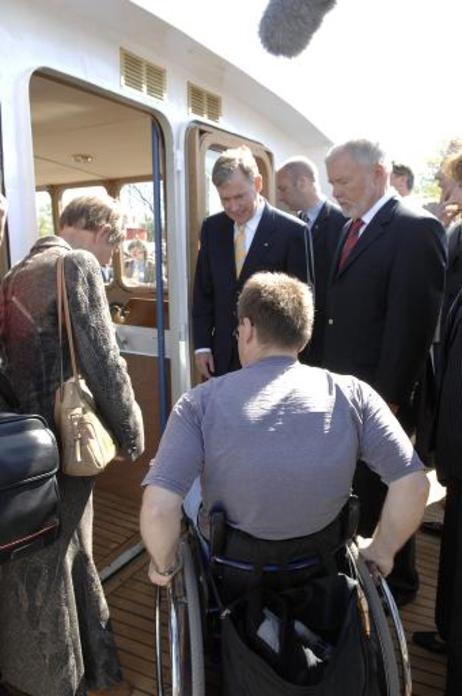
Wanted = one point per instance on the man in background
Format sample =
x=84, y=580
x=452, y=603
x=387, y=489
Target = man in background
x=402, y=179
x=383, y=303
x=298, y=188
x=248, y=236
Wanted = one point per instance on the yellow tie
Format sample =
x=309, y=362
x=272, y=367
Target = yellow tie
x=239, y=249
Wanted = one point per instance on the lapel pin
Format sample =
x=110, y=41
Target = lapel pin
x=265, y=244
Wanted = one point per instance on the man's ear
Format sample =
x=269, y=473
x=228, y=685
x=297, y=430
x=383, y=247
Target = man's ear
x=302, y=183
x=379, y=172
x=258, y=183
x=103, y=232
x=247, y=329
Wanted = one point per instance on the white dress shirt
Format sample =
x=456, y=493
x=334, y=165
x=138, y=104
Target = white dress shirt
x=367, y=217
x=251, y=225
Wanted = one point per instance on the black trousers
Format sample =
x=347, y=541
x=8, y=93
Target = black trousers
x=448, y=610
x=404, y=579
x=234, y=362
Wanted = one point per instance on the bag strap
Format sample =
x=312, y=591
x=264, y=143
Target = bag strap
x=63, y=309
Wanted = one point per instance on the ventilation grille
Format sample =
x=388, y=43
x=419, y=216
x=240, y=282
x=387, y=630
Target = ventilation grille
x=145, y=77
x=203, y=103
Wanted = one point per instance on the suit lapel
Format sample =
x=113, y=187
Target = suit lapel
x=373, y=231
x=260, y=244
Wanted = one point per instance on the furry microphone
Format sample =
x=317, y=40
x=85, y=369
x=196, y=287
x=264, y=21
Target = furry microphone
x=287, y=26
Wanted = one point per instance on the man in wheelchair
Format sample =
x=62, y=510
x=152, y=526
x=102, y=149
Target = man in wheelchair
x=275, y=446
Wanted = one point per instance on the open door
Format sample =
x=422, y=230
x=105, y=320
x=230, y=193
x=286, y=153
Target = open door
x=85, y=142
x=204, y=144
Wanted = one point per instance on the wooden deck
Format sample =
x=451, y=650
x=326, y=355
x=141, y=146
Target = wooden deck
x=131, y=599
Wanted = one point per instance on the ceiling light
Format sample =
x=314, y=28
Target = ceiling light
x=82, y=158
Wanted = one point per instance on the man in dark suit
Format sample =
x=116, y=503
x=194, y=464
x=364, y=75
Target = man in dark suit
x=298, y=188
x=249, y=236
x=383, y=303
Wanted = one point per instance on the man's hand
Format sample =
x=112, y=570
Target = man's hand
x=401, y=515
x=205, y=363
x=447, y=212
x=380, y=558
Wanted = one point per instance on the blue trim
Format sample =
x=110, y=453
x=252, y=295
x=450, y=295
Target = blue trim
x=271, y=567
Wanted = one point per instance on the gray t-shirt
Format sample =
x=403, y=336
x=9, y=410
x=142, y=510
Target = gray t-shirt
x=276, y=444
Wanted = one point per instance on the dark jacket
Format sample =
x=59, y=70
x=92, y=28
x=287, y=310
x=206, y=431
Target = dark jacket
x=383, y=306
x=278, y=245
x=448, y=452
x=454, y=269
x=325, y=234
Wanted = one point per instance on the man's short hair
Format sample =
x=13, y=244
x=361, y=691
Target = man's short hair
x=299, y=166
x=231, y=161
x=280, y=307
x=362, y=150
x=403, y=170
x=90, y=213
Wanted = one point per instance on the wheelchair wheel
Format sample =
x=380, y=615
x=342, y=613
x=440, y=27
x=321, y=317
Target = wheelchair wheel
x=183, y=673
x=391, y=679
x=195, y=624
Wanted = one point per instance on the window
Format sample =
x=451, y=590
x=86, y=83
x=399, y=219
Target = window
x=70, y=193
x=212, y=199
x=44, y=213
x=138, y=262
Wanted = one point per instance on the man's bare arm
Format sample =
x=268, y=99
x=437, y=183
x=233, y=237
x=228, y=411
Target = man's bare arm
x=160, y=523
x=402, y=513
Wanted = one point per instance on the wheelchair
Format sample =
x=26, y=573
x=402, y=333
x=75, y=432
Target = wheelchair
x=194, y=613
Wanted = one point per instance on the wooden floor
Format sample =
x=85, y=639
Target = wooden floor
x=131, y=600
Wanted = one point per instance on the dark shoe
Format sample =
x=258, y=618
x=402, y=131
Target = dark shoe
x=433, y=528
x=403, y=598
x=431, y=641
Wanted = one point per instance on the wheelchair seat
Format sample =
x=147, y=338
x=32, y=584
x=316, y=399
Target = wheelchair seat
x=238, y=561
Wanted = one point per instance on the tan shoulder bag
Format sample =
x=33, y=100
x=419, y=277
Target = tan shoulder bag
x=86, y=445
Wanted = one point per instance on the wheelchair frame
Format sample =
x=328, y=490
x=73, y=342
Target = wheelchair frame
x=187, y=608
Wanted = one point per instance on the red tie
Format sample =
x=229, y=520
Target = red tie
x=350, y=241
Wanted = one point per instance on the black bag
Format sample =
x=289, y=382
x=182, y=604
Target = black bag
x=339, y=663
x=29, y=493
